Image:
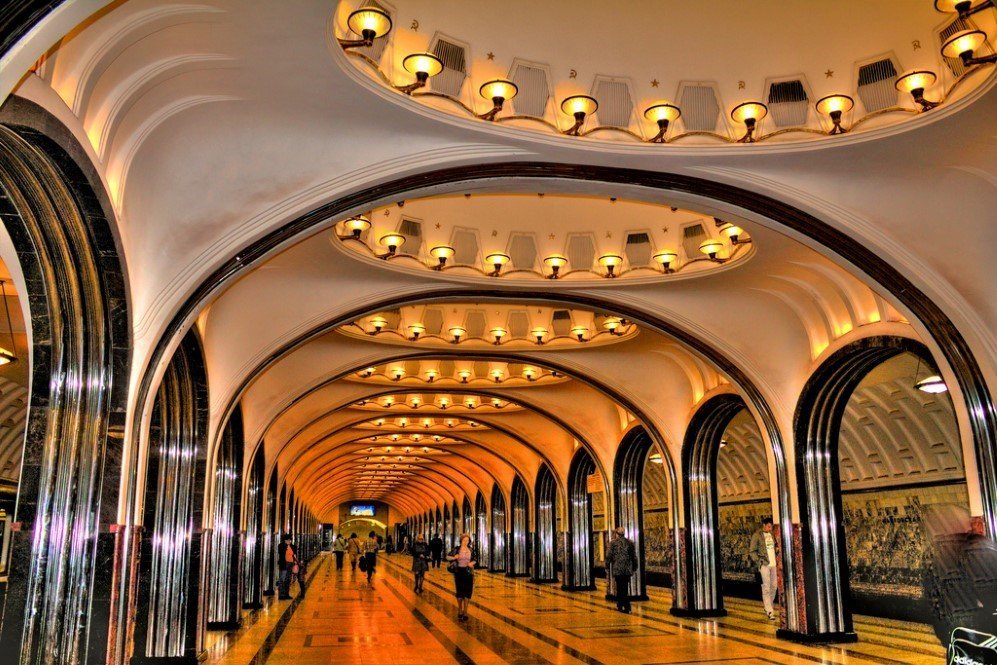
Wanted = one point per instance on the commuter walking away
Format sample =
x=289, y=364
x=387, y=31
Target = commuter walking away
x=761, y=551
x=287, y=564
x=405, y=545
x=436, y=549
x=462, y=561
x=420, y=561
x=621, y=559
x=369, y=552
x=353, y=549
x=339, y=549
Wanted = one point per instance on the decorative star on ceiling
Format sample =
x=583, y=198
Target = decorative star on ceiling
x=438, y=225
x=654, y=83
x=551, y=236
x=829, y=73
x=491, y=56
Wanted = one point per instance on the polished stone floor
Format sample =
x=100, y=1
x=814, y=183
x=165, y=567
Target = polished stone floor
x=342, y=620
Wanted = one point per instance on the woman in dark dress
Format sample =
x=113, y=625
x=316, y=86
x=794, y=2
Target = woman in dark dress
x=463, y=559
x=420, y=560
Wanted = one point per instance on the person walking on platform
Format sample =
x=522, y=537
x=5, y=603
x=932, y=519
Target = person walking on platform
x=621, y=559
x=287, y=565
x=761, y=551
x=353, y=549
x=436, y=549
x=369, y=552
x=462, y=561
x=420, y=561
x=339, y=549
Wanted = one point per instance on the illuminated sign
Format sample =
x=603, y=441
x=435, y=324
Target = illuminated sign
x=362, y=510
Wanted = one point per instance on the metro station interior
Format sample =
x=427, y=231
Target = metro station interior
x=532, y=272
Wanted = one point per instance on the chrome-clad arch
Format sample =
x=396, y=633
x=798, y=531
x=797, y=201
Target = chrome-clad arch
x=498, y=561
x=482, y=535
x=223, y=575
x=519, y=560
x=817, y=423
x=255, y=535
x=702, y=532
x=545, y=526
x=628, y=481
x=579, y=550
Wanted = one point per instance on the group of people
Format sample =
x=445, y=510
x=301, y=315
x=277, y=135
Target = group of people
x=461, y=558
x=362, y=553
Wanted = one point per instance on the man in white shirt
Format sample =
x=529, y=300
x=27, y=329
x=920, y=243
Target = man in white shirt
x=762, y=554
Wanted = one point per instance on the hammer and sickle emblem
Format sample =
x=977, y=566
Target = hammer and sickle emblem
x=573, y=74
x=415, y=25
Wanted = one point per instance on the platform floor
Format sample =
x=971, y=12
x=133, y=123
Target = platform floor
x=341, y=620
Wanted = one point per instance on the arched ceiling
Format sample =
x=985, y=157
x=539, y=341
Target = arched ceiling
x=214, y=123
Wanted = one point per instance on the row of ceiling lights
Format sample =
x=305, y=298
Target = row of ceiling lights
x=426, y=423
x=497, y=374
x=371, y=23
x=442, y=402
x=612, y=324
x=666, y=258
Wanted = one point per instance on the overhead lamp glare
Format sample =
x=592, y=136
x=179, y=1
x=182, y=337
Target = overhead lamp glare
x=357, y=225
x=497, y=259
x=422, y=66
x=555, y=262
x=663, y=115
x=392, y=241
x=441, y=253
x=666, y=259
x=368, y=22
x=499, y=91
x=578, y=106
x=457, y=332
x=749, y=113
x=610, y=262
x=833, y=106
x=916, y=82
x=963, y=44
x=711, y=248
x=932, y=384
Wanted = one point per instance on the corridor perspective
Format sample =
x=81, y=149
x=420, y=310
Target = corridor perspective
x=431, y=331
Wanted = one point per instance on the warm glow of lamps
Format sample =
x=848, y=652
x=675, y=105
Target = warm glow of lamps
x=749, y=113
x=357, y=225
x=392, y=241
x=379, y=322
x=962, y=45
x=932, y=384
x=497, y=374
x=415, y=330
x=498, y=333
x=662, y=114
x=398, y=373
x=833, y=106
x=610, y=262
x=962, y=7
x=423, y=66
x=441, y=253
x=915, y=82
x=457, y=332
x=497, y=259
x=464, y=375
x=530, y=373
x=578, y=106
x=733, y=232
x=555, y=262
x=580, y=332
x=539, y=333
x=499, y=91
x=711, y=247
x=666, y=259
x=368, y=22
x=612, y=324
x=431, y=375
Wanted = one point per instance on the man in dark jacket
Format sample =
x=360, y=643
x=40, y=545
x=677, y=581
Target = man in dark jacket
x=436, y=549
x=287, y=559
x=621, y=560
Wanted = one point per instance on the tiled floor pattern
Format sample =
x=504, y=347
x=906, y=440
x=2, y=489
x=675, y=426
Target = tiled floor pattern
x=513, y=621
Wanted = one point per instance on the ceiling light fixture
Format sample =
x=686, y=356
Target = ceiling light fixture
x=833, y=106
x=416, y=329
x=392, y=241
x=368, y=22
x=367, y=373
x=555, y=262
x=580, y=332
x=612, y=324
x=444, y=403
x=733, y=232
x=749, y=113
x=963, y=44
x=932, y=384
x=915, y=82
x=712, y=248
x=398, y=372
x=965, y=8
x=497, y=374
x=578, y=106
x=423, y=66
x=379, y=322
x=431, y=375
x=530, y=374
x=610, y=262
x=498, y=333
x=464, y=375
x=663, y=114
x=457, y=332
x=539, y=332
x=441, y=253
x=666, y=259
x=497, y=259
x=357, y=225
x=469, y=403
x=499, y=91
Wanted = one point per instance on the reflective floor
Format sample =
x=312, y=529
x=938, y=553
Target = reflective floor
x=341, y=620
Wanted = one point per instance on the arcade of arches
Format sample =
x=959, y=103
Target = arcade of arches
x=258, y=285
